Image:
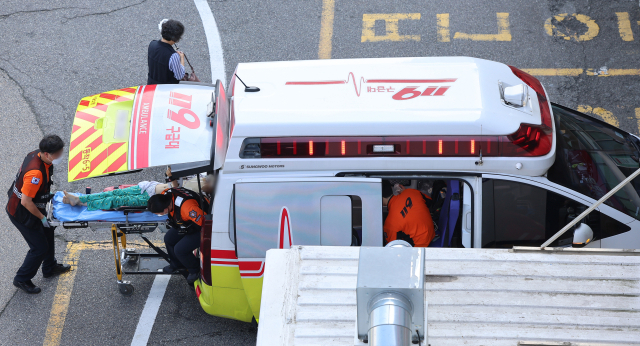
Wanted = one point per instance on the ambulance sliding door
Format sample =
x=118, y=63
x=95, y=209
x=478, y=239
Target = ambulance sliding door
x=278, y=213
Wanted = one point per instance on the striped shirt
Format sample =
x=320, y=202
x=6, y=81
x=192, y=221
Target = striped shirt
x=175, y=66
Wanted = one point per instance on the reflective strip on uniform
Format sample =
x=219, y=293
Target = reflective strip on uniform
x=18, y=193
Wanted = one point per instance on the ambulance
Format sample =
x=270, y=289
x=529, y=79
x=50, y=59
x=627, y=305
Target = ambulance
x=304, y=152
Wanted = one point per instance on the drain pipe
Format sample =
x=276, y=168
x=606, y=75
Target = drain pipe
x=390, y=295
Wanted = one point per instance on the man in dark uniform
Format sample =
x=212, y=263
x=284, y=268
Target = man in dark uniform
x=166, y=65
x=28, y=197
x=182, y=207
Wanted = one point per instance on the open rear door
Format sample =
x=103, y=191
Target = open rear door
x=151, y=125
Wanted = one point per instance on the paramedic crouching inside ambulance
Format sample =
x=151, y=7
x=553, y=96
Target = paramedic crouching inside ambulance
x=185, y=217
x=28, y=197
x=409, y=218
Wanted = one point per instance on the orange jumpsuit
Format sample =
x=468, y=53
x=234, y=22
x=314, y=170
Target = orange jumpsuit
x=409, y=213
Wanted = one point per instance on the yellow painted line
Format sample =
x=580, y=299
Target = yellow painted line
x=391, y=27
x=638, y=118
x=61, y=300
x=615, y=72
x=444, y=34
x=326, y=29
x=624, y=26
x=600, y=112
x=566, y=33
x=504, y=33
x=573, y=72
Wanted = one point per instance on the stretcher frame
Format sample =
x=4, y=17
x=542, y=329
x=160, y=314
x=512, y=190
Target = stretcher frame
x=127, y=260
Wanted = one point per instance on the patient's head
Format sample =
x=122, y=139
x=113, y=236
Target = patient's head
x=159, y=204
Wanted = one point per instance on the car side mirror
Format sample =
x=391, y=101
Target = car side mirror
x=582, y=235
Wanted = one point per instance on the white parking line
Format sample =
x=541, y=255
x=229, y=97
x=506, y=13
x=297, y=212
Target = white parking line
x=213, y=41
x=148, y=316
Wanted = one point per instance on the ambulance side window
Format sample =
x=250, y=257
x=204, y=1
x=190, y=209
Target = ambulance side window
x=518, y=214
x=592, y=157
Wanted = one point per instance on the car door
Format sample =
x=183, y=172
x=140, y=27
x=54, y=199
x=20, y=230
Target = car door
x=524, y=212
x=277, y=213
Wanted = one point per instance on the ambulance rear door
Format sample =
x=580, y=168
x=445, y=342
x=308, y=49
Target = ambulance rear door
x=183, y=125
x=272, y=213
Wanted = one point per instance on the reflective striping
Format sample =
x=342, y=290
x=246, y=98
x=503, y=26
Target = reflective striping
x=89, y=154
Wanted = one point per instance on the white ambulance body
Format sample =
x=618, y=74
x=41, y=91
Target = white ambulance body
x=312, y=153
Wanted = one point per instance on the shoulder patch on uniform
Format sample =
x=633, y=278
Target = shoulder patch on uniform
x=193, y=214
x=179, y=201
x=35, y=181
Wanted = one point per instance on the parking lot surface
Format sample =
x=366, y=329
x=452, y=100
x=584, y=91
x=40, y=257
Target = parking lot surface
x=56, y=52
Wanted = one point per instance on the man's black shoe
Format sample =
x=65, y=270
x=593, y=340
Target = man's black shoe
x=192, y=278
x=171, y=270
x=57, y=270
x=27, y=286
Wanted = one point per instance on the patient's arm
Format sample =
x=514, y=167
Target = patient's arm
x=161, y=187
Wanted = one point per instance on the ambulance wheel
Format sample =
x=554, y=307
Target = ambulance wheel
x=126, y=289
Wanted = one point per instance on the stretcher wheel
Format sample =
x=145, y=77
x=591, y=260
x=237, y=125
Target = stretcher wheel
x=126, y=289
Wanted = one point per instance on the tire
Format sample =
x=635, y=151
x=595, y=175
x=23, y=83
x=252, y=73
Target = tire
x=126, y=289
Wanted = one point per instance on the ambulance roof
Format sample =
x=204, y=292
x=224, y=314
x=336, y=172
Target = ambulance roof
x=388, y=96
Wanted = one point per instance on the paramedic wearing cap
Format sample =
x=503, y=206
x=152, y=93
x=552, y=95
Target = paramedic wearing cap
x=185, y=218
x=409, y=218
x=28, y=196
x=166, y=65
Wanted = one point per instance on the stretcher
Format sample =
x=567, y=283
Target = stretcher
x=120, y=223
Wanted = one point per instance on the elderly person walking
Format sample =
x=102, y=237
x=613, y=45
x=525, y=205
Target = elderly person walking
x=166, y=65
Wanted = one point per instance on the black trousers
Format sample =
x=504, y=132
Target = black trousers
x=180, y=248
x=41, y=248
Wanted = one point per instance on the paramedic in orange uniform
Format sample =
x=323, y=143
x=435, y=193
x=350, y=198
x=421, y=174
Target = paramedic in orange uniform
x=409, y=218
x=28, y=197
x=182, y=206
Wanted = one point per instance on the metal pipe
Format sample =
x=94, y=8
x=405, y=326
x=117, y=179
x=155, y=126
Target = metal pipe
x=591, y=208
x=390, y=320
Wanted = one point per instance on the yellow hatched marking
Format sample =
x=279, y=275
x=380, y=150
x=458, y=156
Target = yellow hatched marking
x=111, y=157
x=95, y=112
x=94, y=153
x=84, y=126
x=84, y=143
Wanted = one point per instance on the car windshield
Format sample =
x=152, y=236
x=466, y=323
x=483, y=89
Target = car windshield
x=593, y=157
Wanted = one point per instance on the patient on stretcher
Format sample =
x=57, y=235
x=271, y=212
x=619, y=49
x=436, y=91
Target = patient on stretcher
x=134, y=196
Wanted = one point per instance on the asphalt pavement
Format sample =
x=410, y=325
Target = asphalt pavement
x=56, y=52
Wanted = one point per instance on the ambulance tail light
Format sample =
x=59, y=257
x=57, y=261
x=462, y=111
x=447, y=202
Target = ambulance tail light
x=529, y=140
x=205, y=250
x=534, y=83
